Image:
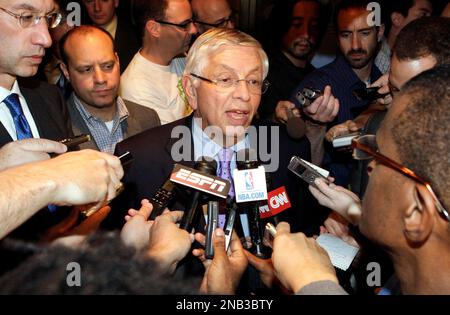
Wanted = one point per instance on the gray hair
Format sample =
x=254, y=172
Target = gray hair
x=210, y=42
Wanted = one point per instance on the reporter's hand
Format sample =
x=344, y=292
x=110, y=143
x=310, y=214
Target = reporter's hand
x=265, y=269
x=325, y=108
x=383, y=84
x=281, y=114
x=28, y=150
x=298, y=260
x=168, y=244
x=136, y=230
x=338, y=199
x=336, y=225
x=82, y=177
x=224, y=272
x=342, y=129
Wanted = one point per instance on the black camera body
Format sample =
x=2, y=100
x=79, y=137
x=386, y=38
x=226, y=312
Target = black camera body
x=307, y=96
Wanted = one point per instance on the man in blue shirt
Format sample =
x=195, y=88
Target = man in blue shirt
x=353, y=68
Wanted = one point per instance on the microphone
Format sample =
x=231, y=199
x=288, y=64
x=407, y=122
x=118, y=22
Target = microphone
x=162, y=198
x=201, y=179
x=296, y=127
x=277, y=202
x=251, y=191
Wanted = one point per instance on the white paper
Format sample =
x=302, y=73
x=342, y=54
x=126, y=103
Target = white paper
x=340, y=252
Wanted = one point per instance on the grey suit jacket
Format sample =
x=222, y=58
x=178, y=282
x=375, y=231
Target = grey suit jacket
x=140, y=119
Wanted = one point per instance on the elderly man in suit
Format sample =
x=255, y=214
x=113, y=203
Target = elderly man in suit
x=91, y=65
x=223, y=81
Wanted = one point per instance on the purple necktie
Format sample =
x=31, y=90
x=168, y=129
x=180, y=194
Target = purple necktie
x=225, y=156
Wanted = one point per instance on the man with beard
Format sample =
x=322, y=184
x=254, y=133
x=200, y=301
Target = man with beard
x=294, y=42
x=152, y=78
x=405, y=208
x=354, y=68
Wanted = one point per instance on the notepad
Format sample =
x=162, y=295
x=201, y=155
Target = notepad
x=340, y=252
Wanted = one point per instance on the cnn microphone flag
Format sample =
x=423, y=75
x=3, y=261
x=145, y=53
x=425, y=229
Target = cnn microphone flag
x=277, y=201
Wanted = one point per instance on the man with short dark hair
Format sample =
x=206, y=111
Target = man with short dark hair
x=152, y=78
x=29, y=108
x=212, y=13
x=401, y=12
x=405, y=209
x=294, y=42
x=103, y=14
x=354, y=68
x=91, y=65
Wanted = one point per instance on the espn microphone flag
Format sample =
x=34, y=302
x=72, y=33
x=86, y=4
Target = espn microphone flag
x=192, y=178
x=277, y=201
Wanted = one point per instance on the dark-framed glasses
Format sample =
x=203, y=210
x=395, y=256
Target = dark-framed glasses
x=229, y=83
x=221, y=23
x=365, y=148
x=28, y=19
x=184, y=26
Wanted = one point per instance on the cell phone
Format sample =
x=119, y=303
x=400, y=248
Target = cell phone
x=367, y=94
x=307, y=96
x=232, y=212
x=162, y=198
x=77, y=140
x=305, y=171
x=213, y=219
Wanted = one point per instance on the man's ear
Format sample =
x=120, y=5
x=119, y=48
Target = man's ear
x=64, y=70
x=190, y=91
x=397, y=19
x=153, y=28
x=419, y=218
x=116, y=3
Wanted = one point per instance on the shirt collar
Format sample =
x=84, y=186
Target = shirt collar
x=111, y=27
x=4, y=93
x=120, y=115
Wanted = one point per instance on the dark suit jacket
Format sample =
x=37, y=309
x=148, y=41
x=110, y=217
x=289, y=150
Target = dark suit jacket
x=153, y=163
x=47, y=108
x=140, y=119
x=52, y=120
x=126, y=41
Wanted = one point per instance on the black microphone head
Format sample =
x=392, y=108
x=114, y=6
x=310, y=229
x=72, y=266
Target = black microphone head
x=296, y=127
x=246, y=159
x=206, y=165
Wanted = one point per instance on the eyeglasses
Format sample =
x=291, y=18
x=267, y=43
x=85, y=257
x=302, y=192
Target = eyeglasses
x=222, y=23
x=226, y=84
x=184, y=26
x=365, y=147
x=27, y=19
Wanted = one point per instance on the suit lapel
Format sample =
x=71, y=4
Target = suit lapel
x=40, y=115
x=4, y=136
